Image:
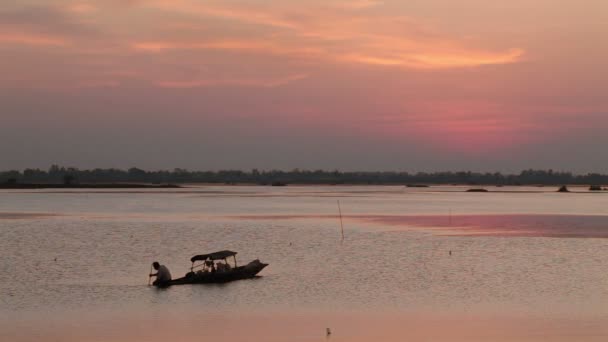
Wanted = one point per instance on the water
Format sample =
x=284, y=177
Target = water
x=527, y=262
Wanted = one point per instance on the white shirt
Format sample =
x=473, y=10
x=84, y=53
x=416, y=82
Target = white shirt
x=163, y=273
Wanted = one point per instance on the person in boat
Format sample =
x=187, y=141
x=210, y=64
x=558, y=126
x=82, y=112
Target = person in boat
x=223, y=267
x=162, y=273
x=211, y=265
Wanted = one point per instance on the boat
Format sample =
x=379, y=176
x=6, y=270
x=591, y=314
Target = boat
x=210, y=270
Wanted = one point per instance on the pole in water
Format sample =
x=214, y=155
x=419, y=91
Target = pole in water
x=341, y=225
x=450, y=216
x=149, y=276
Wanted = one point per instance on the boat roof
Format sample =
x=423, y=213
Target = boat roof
x=213, y=256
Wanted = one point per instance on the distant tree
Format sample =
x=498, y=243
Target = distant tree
x=137, y=175
x=54, y=169
x=10, y=176
x=68, y=179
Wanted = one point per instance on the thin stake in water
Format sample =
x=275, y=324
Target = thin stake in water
x=341, y=225
x=450, y=216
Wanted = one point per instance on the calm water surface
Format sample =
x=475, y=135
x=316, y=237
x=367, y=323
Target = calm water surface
x=525, y=264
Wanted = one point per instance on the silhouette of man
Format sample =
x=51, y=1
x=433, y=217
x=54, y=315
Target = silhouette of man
x=162, y=273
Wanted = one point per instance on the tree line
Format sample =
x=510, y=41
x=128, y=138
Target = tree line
x=70, y=175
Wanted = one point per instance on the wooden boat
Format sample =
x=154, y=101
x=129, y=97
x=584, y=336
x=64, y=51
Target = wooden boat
x=211, y=271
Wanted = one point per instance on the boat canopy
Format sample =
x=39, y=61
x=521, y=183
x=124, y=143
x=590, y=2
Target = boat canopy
x=213, y=256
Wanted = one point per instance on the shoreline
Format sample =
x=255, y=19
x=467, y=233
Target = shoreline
x=200, y=188
x=27, y=186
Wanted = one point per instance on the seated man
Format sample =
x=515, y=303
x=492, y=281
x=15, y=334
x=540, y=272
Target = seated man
x=210, y=265
x=162, y=273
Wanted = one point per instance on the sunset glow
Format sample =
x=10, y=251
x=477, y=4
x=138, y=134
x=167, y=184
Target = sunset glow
x=425, y=82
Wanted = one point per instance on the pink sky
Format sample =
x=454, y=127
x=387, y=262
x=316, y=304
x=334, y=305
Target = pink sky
x=359, y=84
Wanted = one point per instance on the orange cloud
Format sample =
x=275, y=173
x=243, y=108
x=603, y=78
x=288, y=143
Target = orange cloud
x=82, y=7
x=357, y=4
x=252, y=46
x=266, y=83
x=281, y=38
x=31, y=39
x=153, y=46
x=334, y=33
x=254, y=16
x=406, y=56
x=467, y=59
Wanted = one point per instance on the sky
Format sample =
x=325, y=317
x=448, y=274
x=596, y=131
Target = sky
x=335, y=84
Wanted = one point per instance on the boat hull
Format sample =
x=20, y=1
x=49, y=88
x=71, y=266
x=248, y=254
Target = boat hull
x=243, y=272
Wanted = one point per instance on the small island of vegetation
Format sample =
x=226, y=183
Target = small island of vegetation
x=477, y=190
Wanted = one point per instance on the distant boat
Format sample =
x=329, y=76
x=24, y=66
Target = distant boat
x=210, y=271
x=416, y=185
x=563, y=188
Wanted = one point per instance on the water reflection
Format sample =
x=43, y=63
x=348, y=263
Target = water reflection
x=82, y=271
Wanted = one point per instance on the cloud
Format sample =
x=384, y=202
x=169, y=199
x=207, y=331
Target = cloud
x=237, y=13
x=333, y=34
x=82, y=8
x=31, y=39
x=244, y=44
x=463, y=59
x=265, y=83
x=250, y=45
x=42, y=25
x=357, y=4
